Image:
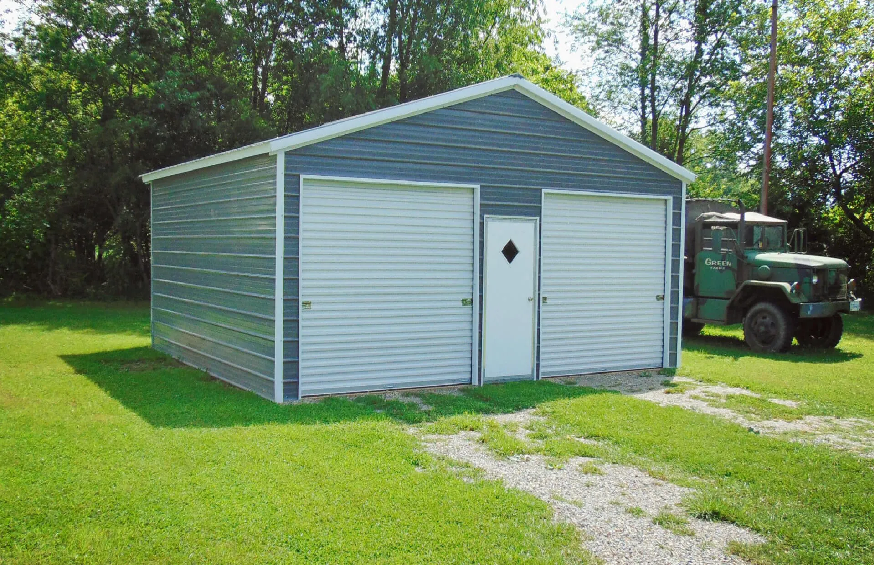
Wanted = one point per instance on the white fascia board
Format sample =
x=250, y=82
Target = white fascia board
x=577, y=115
x=386, y=115
x=259, y=148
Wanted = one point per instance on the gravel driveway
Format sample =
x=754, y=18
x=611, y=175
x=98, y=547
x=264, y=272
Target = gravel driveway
x=614, y=507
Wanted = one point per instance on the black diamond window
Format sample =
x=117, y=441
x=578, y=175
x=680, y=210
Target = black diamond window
x=510, y=251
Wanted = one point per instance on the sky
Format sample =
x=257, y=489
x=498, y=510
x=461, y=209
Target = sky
x=560, y=43
x=556, y=44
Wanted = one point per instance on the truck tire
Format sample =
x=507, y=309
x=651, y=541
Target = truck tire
x=768, y=328
x=820, y=332
x=692, y=329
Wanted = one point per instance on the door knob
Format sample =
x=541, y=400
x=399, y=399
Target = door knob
x=530, y=299
x=660, y=297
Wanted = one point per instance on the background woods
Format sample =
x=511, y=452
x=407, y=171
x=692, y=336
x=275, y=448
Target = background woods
x=93, y=94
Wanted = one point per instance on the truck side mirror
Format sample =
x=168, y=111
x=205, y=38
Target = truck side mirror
x=798, y=241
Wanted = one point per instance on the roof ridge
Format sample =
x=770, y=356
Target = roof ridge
x=381, y=116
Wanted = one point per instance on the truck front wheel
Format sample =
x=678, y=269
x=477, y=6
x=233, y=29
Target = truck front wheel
x=820, y=332
x=768, y=328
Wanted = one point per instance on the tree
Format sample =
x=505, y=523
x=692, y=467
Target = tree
x=661, y=64
x=94, y=94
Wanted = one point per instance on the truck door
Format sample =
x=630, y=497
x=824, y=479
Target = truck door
x=716, y=264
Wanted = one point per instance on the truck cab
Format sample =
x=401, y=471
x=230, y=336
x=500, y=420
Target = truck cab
x=739, y=269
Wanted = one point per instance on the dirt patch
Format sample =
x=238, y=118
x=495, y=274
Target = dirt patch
x=617, y=507
x=628, y=382
x=407, y=398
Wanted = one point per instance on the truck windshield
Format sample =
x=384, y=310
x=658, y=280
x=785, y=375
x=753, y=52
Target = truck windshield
x=764, y=237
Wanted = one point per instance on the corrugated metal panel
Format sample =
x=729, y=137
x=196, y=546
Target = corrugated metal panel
x=509, y=145
x=603, y=267
x=213, y=265
x=385, y=268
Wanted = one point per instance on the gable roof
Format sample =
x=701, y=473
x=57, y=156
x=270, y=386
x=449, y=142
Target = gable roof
x=378, y=117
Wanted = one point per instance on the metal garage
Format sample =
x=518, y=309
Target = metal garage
x=487, y=234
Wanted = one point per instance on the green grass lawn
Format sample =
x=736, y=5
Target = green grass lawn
x=112, y=452
x=813, y=504
x=838, y=382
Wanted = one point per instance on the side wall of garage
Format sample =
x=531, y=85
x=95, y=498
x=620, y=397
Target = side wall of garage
x=510, y=145
x=213, y=269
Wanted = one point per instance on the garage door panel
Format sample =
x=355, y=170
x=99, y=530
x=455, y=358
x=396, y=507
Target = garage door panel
x=384, y=270
x=603, y=268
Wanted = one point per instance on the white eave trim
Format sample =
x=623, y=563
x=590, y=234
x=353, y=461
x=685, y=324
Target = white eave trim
x=252, y=150
x=401, y=111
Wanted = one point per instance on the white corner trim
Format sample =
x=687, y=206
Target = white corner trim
x=378, y=117
x=682, y=276
x=583, y=119
x=252, y=150
x=279, y=281
x=669, y=265
x=475, y=378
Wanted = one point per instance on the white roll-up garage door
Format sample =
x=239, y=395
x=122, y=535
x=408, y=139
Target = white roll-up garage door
x=603, y=279
x=386, y=285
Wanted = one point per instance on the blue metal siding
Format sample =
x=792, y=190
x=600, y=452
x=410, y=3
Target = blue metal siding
x=213, y=269
x=510, y=145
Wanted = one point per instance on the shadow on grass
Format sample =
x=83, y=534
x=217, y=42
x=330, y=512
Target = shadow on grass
x=735, y=348
x=166, y=393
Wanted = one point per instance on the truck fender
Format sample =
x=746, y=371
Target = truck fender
x=751, y=291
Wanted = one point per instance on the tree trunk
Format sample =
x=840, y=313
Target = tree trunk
x=642, y=67
x=387, y=50
x=653, y=71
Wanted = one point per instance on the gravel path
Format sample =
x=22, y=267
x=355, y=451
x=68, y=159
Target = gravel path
x=614, y=509
x=850, y=434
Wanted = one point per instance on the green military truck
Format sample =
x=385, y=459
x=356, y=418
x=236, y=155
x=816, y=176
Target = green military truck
x=739, y=269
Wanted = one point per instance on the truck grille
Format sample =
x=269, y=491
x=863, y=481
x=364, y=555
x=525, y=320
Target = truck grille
x=838, y=291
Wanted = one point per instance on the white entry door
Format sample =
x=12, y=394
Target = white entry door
x=509, y=298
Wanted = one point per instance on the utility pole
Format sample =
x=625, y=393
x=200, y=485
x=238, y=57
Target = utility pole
x=769, y=121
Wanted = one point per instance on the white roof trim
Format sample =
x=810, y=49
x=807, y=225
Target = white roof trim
x=401, y=111
x=252, y=150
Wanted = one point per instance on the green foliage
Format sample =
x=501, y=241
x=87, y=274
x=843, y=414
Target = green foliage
x=95, y=94
x=659, y=66
x=635, y=511
x=590, y=468
x=822, y=177
x=674, y=523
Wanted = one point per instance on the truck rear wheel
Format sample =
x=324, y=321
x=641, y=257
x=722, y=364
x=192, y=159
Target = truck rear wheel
x=820, y=332
x=768, y=328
